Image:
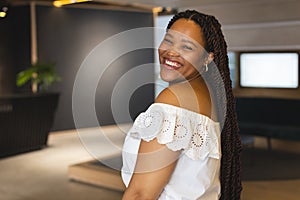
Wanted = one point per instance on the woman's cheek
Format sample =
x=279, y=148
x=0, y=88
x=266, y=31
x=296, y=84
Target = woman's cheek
x=195, y=60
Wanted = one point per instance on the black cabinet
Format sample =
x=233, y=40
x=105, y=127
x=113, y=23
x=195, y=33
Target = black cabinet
x=25, y=121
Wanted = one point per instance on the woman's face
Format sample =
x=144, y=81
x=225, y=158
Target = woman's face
x=181, y=51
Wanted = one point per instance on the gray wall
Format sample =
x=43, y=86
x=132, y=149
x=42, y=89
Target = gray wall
x=67, y=35
x=258, y=24
x=14, y=47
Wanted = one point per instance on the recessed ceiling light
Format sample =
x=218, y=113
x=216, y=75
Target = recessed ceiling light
x=60, y=3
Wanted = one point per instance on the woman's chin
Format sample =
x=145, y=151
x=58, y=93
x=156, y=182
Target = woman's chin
x=171, y=79
x=169, y=75
x=166, y=79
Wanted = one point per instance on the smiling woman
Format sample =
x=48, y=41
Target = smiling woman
x=186, y=145
x=181, y=52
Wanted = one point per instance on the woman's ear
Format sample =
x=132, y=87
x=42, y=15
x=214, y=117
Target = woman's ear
x=210, y=57
x=207, y=61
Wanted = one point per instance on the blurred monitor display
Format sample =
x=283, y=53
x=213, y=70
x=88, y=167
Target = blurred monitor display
x=269, y=70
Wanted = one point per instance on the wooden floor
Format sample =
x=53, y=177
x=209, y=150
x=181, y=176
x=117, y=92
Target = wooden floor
x=43, y=174
x=271, y=190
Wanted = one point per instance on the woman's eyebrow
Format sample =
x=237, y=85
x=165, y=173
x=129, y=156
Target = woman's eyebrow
x=183, y=40
x=170, y=35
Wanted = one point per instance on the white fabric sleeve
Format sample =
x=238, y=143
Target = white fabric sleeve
x=179, y=129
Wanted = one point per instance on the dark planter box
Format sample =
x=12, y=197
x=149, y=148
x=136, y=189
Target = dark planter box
x=25, y=121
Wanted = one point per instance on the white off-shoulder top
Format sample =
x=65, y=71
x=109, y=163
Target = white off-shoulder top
x=196, y=175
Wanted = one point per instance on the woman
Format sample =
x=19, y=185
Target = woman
x=186, y=145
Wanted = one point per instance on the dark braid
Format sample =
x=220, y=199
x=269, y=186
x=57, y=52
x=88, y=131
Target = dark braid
x=219, y=83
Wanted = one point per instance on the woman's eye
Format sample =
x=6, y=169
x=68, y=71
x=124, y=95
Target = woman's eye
x=187, y=47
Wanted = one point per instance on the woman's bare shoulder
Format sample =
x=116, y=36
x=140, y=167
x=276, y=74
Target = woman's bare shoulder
x=190, y=99
x=168, y=96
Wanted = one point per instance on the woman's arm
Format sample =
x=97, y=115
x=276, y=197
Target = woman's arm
x=155, y=165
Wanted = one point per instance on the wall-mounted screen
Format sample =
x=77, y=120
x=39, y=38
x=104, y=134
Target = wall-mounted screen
x=269, y=70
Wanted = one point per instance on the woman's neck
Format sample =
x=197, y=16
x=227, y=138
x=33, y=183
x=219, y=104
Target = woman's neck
x=194, y=79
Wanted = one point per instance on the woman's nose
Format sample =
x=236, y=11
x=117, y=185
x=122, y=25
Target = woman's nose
x=172, y=52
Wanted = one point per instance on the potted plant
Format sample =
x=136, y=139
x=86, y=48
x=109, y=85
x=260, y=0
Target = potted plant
x=41, y=75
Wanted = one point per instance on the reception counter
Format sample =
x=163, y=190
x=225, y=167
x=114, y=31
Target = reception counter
x=25, y=121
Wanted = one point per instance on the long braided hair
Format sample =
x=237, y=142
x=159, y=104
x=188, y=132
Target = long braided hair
x=219, y=82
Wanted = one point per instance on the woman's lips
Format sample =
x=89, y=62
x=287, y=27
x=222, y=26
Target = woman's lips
x=170, y=64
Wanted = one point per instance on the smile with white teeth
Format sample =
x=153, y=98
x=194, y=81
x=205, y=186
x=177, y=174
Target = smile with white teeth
x=172, y=64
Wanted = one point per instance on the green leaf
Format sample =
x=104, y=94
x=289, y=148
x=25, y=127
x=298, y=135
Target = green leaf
x=45, y=75
x=24, y=76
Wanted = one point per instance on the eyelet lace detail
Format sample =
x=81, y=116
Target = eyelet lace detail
x=180, y=129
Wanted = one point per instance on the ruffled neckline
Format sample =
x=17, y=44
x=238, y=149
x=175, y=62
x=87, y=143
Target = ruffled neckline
x=185, y=111
x=179, y=129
